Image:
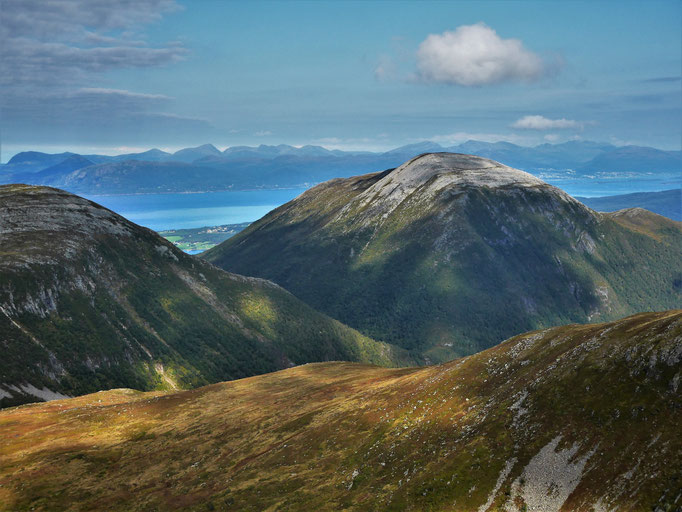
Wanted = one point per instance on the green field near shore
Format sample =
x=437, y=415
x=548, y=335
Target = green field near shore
x=201, y=239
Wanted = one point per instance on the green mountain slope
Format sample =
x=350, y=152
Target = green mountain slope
x=578, y=418
x=90, y=301
x=450, y=254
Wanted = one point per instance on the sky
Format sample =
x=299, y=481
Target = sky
x=117, y=76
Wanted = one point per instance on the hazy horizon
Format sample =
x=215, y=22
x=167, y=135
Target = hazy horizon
x=117, y=77
x=123, y=150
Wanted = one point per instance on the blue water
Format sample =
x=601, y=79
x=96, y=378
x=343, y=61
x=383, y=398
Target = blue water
x=596, y=187
x=177, y=211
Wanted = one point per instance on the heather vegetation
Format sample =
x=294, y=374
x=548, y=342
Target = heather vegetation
x=526, y=425
x=382, y=256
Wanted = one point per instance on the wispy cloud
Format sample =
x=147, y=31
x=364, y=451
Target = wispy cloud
x=73, y=18
x=459, y=137
x=49, y=107
x=385, y=68
x=663, y=79
x=56, y=43
x=380, y=143
x=92, y=115
x=102, y=92
x=543, y=123
x=474, y=55
x=55, y=58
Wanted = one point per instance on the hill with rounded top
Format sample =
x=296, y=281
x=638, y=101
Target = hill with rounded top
x=449, y=254
x=91, y=301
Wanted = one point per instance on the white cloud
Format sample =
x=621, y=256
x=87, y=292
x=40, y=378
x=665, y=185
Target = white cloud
x=544, y=123
x=263, y=133
x=475, y=55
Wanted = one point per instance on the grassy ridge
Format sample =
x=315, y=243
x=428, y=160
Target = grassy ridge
x=576, y=416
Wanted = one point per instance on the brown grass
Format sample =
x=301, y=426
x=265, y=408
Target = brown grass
x=419, y=439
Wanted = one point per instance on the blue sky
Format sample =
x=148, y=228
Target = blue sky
x=114, y=76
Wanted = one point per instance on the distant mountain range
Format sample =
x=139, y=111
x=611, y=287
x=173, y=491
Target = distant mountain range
x=449, y=254
x=206, y=168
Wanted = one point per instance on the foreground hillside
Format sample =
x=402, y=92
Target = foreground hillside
x=90, y=301
x=450, y=254
x=573, y=418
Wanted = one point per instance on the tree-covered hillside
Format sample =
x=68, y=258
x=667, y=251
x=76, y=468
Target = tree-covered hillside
x=90, y=301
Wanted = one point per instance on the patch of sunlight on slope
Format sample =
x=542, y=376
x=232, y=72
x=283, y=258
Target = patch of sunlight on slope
x=169, y=304
x=260, y=310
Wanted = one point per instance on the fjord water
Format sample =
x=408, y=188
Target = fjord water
x=193, y=210
x=177, y=211
x=598, y=186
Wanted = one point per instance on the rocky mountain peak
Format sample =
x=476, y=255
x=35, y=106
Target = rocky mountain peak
x=47, y=225
x=459, y=168
x=432, y=172
x=28, y=208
